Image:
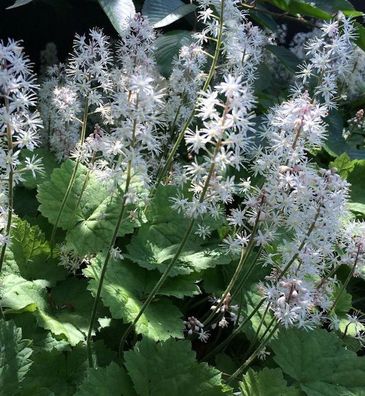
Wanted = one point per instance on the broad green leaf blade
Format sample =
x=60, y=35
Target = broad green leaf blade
x=343, y=165
x=360, y=35
x=55, y=373
x=91, y=220
x=19, y=3
x=286, y=57
x=14, y=358
x=125, y=288
x=51, y=193
x=170, y=368
x=168, y=46
x=158, y=240
x=31, y=252
x=336, y=144
x=319, y=363
x=106, y=381
x=161, y=13
x=357, y=180
x=267, y=382
x=65, y=310
x=118, y=12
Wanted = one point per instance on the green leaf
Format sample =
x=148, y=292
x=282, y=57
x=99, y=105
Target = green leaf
x=343, y=165
x=168, y=46
x=14, y=358
x=49, y=163
x=356, y=179
x=158, y=240
x=319, y=363
x=170, y=368
x=286, y=57
x=125, y=288
x=91, y=222
x=267, y=382
x=55, y=373
x=344, y=303
x=299, y=7
x=118, y=12
x=162, y=13
x=360, y=41
x=65, y=311
x=19, y=3
x=105, y=381
x=31, y=253
x=336, y=144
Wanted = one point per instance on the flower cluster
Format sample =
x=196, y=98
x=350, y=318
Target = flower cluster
x=19, y=126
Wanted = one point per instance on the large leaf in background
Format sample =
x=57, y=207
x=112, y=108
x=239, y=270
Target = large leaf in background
x=170, y=368
x=335, y=143
x=162, y=13
x=31, y=252
x=48, y=161
x=118, y=12
x=158, y=240
x=286, y=57
x=65, y=311
x=319, y=363
x=14, y=358
x=267, y=382
x=55, y=373
x=19, y=3
x=168, y=46
x=124, y=291
x=105, y=381
x=90, y=223
x=357, y=180
x=354, y=172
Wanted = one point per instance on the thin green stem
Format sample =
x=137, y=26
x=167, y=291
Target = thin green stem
x=247, y=273
x=243, y=258
x=9, y=134
x=301, y=246
x=349, y=276
x=173, y=261
x=105, y=265
x=254, y=355
x=72, y=179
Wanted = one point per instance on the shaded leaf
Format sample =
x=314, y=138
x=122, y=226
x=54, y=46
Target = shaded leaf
x=106, y=381
x=65, y=311
x=19, y=3
x=173, y=370
x=124, y=292
x=168, y=46
x=286, y=57
x=267, y=382
x=14, y=358
x=31, y=252
x=158, y=240
x=319, y=363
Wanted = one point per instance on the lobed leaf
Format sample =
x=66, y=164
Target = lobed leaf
x=172, y=370
x=14, y=358
x=319, y=363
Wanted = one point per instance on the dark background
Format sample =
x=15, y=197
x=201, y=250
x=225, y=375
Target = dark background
x=43, y=21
